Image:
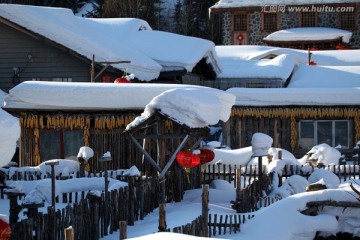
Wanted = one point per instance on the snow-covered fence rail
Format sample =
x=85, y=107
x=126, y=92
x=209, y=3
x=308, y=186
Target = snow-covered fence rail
x=250, y=173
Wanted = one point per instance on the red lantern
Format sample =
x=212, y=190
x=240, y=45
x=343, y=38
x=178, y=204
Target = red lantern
x=240, y=37
x=206, y=156
x=5, y=230
x=187, y=159
x=122, y=80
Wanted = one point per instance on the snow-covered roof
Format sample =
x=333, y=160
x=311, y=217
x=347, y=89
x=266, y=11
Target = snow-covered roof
x=111, y=40
x=253, y=3
x=252, y=52
x=84, y=96
x=309, y=34
x=278, y=68
x=296, y=96
x=326, y=77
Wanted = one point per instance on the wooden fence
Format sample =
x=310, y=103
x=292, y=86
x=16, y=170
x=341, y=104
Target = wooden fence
x=90, y=215
x=217, y=225
x=227, y=172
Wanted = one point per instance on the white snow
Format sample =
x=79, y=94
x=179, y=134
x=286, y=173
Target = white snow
x=194, y=107
x=85, y=152
x=310, y=34
x=325, y=77
x=69, y=95
x=114, y=39
x=9, y=134
x=296, y=96
x=250, y=3
x=281, y=220
x=280, y=67
x=261, y=143
x=254, y=52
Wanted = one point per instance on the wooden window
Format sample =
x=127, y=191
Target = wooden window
x=270, y=23
x=331, y=132
x=308, y=19
x=240, y=22
x=55, y=144
x=347, y=20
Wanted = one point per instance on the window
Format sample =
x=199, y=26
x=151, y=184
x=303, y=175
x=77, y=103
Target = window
x=240, y=22
x=347, y=20
x=332, y=132
x=270, y=22
x=308, y=19
x=61, y=144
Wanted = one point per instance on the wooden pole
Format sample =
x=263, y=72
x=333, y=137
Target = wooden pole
x=69, y=233
x=238, y=183
x=260, y=167
x=162, y=218
x=205, y=211
x=123, y=230
x=92, y=72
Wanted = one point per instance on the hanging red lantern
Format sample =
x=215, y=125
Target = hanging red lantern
x=206, y=156
x=240, y=37
x=5, y=230
x=187, y=159
x=122, y=80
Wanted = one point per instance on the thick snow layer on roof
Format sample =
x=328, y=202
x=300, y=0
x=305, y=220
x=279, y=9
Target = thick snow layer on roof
x=248, y=3
x=309, y=34
x=174, y=50
x=324, y=57
x=325, y=77
x=111, y=40
x=296, y=96
x=84, y=36
x=278, y=68
x=9, y=134
x=194, y=107
x=86, y=96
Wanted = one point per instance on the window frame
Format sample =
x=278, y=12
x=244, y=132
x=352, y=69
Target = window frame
x=246, y=16
x=333, y=131
x=304, y=17
x=347, y=27
x=263, y=24
x=60, y=141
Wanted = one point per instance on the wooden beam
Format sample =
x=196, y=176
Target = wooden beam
x=146, y=155
x=173, y=157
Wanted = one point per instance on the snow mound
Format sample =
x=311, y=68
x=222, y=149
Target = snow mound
x=329, y=179
x=190, y=106
x=325, y=154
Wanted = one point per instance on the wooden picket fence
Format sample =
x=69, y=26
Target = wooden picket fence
x=227, y=172
x=218, y=224
x=90, y=215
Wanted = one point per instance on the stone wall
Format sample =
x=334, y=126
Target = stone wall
x=287, y=20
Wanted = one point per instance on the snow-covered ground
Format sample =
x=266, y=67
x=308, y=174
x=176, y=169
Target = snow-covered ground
x=281, y=220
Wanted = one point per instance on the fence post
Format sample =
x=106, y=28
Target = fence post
x=238, y=183
x=162, y=218
x=69, y=233
x=123, y=230
x=205, y=211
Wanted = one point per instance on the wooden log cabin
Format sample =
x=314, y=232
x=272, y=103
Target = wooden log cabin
x=58, y=118
x=95, y=51
x=296, y=118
